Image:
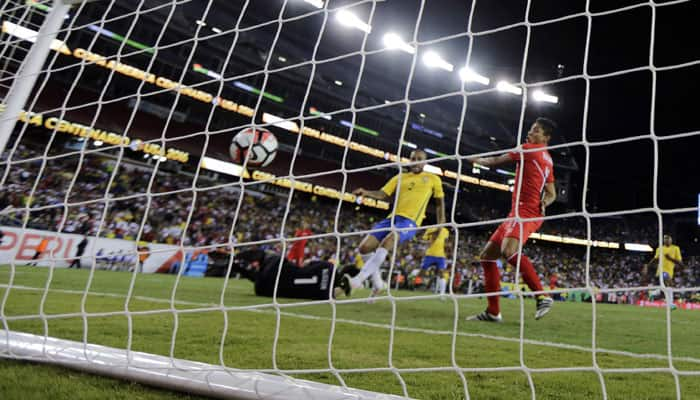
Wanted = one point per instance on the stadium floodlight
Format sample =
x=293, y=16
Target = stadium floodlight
x=394, y=41
x=468, y=75
x=411, y=145
x=280, y=122
x=31, y=35
x=200, y=22
x=539, y=95
x=216, y=30
x=432, y=169
x=638, y=247
x=224, y=167
x=433, y=60
x=338, y=83
x=315, y=3
x=504, y=86
x=349, y=19
x=98, y=143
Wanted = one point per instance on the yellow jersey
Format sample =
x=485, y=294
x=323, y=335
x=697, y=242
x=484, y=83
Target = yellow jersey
x=437, y=248
x=414, y=194
x=666, y=264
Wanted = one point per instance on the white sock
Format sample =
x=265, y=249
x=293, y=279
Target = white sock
x=372, y=265
x=442, y=285
x=377, y=282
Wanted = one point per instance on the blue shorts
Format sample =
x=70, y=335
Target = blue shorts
x=665, y=276
x=438, y=262
x=399, y=222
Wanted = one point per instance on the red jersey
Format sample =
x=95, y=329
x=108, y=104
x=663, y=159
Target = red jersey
x=538, y=170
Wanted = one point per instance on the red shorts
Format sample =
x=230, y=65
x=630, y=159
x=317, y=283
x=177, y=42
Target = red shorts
x=511, y=229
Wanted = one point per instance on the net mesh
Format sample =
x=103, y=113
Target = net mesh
x=133, y=75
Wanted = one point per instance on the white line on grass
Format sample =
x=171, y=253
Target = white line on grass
x=381, y=326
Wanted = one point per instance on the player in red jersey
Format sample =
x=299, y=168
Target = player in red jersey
x=537, y=175
x=296, y=252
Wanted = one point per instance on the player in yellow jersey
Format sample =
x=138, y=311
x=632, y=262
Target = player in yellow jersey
x=413, y=189
x=670, y=257
x=435, y=256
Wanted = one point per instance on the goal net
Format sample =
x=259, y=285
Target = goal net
x=138, y=244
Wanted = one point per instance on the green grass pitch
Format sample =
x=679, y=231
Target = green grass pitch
x=627, y=336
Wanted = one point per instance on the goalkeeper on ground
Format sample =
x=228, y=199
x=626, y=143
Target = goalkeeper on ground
x=311, y=282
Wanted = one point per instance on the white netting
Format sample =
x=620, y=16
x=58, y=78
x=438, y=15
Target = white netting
x=60, y=185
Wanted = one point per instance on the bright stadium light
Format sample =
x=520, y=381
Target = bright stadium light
x=315, y=3
x=351, y=20
x=638, y=247
x=504, y=86
x=200, y=22
x=394, y=41
x=224, y=167
x=539, y=95
x=432, y=169
x=433, y=60
x=280, y=122
x=411, y=145
x=31, y=35
x=468, y=75
x=98, y=143
x=216, y=30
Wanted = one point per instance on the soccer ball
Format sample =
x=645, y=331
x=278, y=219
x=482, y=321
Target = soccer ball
x=261, y=144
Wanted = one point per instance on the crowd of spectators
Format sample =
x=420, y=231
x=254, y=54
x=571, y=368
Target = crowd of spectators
x=173, y=212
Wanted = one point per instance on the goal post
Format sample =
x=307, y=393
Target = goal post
x=24, y=80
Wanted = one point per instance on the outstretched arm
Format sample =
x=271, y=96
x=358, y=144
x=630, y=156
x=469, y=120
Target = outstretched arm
x=375, y=194
x=491, y=161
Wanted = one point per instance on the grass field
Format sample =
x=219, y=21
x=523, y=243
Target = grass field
x=628, y=337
